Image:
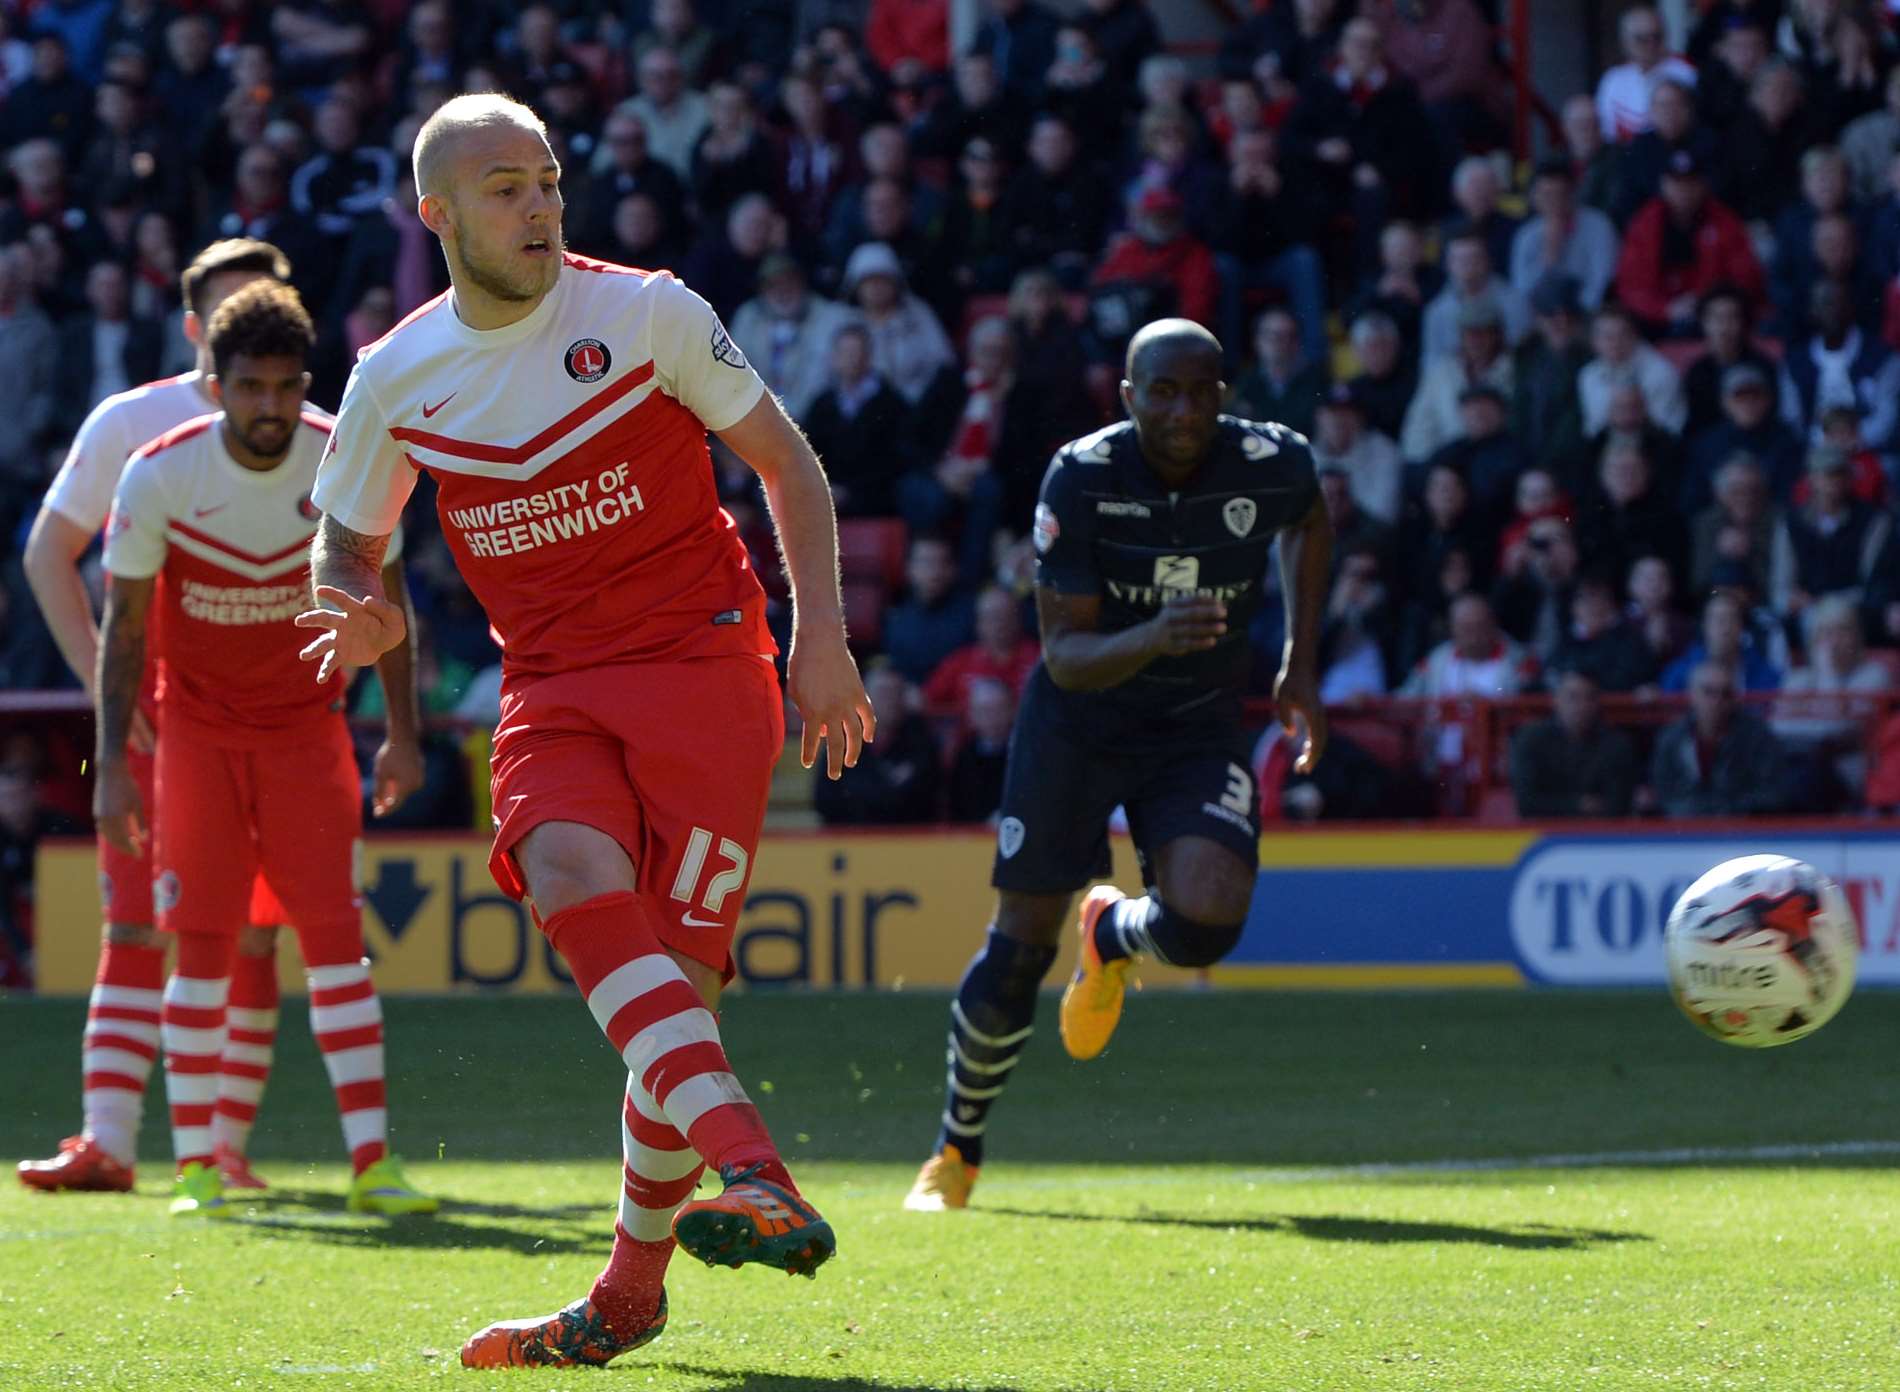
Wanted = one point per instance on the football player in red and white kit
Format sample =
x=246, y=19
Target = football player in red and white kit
x=208, y=550
x=121, y=1039
x=562, y=406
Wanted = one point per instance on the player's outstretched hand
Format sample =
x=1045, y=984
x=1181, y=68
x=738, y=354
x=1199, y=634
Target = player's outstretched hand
x=1188, y=624
x=1301, y=714
x=396, y=773
x=116, y=808
x=825, y=687
x=355, y=631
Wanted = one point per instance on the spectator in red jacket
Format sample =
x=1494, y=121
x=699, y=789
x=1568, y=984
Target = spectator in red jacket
x=1680, y=245
x=1001, y=653
x=1159, y=248
x=917, y=31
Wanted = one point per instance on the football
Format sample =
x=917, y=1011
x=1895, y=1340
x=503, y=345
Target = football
x=1761, y=951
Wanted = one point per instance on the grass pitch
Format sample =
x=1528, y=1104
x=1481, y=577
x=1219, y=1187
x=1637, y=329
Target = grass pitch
x=1247, y=1192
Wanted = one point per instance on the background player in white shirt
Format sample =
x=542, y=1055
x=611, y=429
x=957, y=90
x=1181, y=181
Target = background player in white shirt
x=122, y=1028
x=562, y=407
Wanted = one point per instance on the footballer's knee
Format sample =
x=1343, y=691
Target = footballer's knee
x=257, y=940
x=1183, y=941
x=133, y=935
x=1204, y=881
x=1036, y=919
x=568, y=863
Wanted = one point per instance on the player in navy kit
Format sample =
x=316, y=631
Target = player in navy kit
x=1153, y=538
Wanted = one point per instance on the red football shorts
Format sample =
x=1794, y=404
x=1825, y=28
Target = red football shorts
x=125, y=881
x=672, y=759
x=290, y=814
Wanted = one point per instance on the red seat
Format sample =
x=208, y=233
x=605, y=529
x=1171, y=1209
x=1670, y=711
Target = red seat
x=864, y=612
x=871, y=550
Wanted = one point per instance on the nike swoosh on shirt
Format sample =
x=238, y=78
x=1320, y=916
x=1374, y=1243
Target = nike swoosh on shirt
x=428, y=410
x=691, y=922
x=206, y=512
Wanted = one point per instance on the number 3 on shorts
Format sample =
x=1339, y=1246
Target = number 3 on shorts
x=693, y=864
x=1238, y=798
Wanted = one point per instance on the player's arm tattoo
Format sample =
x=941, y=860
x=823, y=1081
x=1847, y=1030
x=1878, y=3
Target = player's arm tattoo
x=1306, y=561
x=396, y=669
x=121, y=667
x=350, y=561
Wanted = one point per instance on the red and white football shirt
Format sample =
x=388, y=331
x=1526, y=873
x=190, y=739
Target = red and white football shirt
x=231, y=549
x=82, y=490
x=569, y=454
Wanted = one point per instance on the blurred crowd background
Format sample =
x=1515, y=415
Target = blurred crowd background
x=1605, y=418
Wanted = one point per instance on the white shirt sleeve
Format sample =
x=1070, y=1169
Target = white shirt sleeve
x=695, y=360
x=135, y=536
x=82, y=490
x=364, y=480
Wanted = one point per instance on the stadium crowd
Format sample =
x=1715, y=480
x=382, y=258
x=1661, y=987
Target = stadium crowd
x=1616, y=421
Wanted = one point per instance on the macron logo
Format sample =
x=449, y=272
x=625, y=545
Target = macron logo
x=428, y=410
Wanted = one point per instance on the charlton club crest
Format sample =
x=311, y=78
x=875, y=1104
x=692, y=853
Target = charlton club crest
x=588, y=360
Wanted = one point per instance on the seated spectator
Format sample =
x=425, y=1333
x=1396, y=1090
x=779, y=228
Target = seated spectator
x=1439, y=523
x=1435, y=418
x=1001, y=653
x=1830, y=736
x=1125, y=33
x=855, y=425
x=1474, y=197
x=1765, y=144
x=1621, y=357
x=1601, y=643
x=733, y=155
x=814, y=155
x=1281, y=46
x=1470, y=280
x=887, y=216
x=1050, y=364
x=347, y=178
x=977, y=105
x=630, y=169
x=1657, y=283
x=1160, y=261
x=1535, y=496
x=1262, y=230
x=1846, y=75
x=677, y=25
x=1484, y=451
x=1342, y=439
x=1564, y=238
x=723, y=264
x=641, y=233
x=1358, y=626
x=1869, y=142
x=1402, y=284
x=1057, y=206
x=1282, y=385
x=976, y=772
x=1594, y=161
x=898, y=780
x=1625, y=516
x=786, y=332
x=1738, y=527
x=977, y=238
x=937, y=615
x=1828, y=546
x=673, y=115
x=1476, y=660
x=883, y=154
x=1353, y=530
x=1718, y=760
x=1080, y=86
x=1019, y=36
x=1572, y=764
x=1447, y=49
x=1640, y=162
x=1546, y=410
x=1791, y=272
x=908, y=344
x=1726, y=642
x=1748, y=426
x=1867, y=476
x=1722, y=85
x=1838, y=364
x=1625, y=90
x=1425, y=618
x=129, y=149
x=1386, y=381
x=105, y=349
x=1665, y=629
x=1533, y=591
x=1834, y=250
x=1723, y=317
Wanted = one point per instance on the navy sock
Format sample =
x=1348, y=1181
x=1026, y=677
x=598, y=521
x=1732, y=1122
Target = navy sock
x=991, y=1020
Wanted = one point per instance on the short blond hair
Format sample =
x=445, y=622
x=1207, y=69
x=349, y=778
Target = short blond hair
x=435, y=142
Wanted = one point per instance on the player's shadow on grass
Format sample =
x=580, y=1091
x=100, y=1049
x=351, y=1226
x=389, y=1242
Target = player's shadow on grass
x=1333, y=1228
x=724, y=1380
x=315, y=1215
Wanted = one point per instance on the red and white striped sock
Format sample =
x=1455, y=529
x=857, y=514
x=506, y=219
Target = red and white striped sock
x=347, y=1019
x=121, y=1044
x=659, y=1026
x=250, y=1037
x=193, y=1030
x=659, y=1173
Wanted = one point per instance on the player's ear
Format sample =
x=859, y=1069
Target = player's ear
x=194, y=328
x=214, y=389
x=434, y=213
x=1128, y=396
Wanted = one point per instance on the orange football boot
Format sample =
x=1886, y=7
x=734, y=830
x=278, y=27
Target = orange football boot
x=944, y=1182
x=755, y=1220
x=576, y=1335
x=1092, y=1002
x=82, y=1165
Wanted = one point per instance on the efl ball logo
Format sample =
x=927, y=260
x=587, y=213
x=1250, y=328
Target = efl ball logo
x=588, y=360
x=165, y=891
